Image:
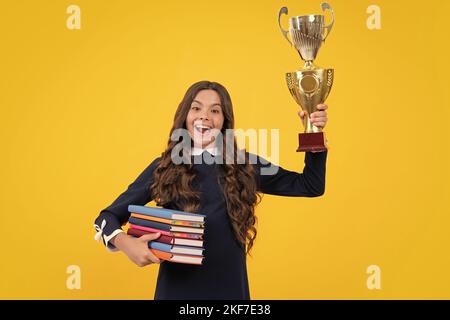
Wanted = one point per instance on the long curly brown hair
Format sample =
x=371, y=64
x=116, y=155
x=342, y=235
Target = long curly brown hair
x=172, y=184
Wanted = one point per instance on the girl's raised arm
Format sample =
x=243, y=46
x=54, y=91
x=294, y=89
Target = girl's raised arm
x=310, y=183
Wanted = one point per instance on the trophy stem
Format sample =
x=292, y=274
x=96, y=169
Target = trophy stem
x=309, y=65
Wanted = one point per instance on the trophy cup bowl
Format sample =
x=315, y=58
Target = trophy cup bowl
x=310, y=85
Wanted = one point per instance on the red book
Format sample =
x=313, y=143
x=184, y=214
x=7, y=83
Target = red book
x=169, y=233
x=166, y=238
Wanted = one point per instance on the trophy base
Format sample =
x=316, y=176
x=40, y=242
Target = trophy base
x=312, y=142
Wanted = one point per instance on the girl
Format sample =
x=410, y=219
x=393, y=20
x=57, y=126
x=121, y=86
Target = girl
x=225, y=192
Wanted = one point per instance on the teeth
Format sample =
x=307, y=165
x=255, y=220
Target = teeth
x=202, y=127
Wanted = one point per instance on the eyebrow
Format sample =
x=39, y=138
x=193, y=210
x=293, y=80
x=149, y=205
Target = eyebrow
x=215, y=104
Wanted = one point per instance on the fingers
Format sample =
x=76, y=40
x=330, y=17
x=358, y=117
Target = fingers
x=151, y=257
x=147, y=258
x=315, y=118
x=318, y=121
x=149, y=237
x=319, y=124
x=319, y=113
x=319, y=118
x=322, y=106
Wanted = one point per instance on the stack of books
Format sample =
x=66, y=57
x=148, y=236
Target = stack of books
x=181, y=238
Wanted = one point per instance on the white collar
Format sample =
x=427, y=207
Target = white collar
x=198, y=151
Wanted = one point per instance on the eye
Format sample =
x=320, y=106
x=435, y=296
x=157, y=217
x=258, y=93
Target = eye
x=195, y=108
x=215, y=111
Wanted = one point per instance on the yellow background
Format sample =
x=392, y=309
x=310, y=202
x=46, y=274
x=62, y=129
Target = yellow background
x=83, y=112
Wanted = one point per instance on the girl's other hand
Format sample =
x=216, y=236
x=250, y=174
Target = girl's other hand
x=137, y=248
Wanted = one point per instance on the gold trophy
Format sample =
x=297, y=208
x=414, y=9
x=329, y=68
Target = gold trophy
x=311, y=84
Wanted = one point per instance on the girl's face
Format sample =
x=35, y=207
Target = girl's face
x=205, y=118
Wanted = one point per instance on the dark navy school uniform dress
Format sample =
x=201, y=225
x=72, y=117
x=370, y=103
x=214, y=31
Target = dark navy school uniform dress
x=223, y=274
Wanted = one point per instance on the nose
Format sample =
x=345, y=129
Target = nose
x=204, y=115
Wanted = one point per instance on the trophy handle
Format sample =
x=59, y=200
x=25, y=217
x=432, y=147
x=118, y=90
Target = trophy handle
x=325, y=6
x=283, y=10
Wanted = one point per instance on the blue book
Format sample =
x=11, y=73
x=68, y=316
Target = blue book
x=175, y=249
x=166, y=213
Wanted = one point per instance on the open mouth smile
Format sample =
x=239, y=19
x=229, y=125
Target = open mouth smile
x=202, y=129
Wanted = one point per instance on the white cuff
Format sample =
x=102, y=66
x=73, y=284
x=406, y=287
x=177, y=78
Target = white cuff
x=109, y=246
x=99, y=235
